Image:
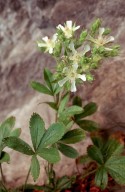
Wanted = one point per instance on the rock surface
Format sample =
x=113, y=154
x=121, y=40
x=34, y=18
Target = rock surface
x=22, y=22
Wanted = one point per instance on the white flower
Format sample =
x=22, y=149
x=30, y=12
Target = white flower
x=68, y=29
x=102, y=41
x=71, y=75
x=49, y=44
x=76, y=56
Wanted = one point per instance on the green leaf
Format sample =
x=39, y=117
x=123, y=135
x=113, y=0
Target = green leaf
x=48, y=77
x=116, y=168
x=68, y=151
x=4, y=157
x=88, y=125
x=98, y=142
x=112, y=148
x=107, y=31
x=16, y=132
x=6, y=127
x=101, y=178
x=57, y=89
x=69, y=125
x=53, y=105
x=89, y=109
x=83, y=35
x=40, y=88
x=63, y=102
x=18, y=145
x=73, y=110
x=37, y=129
x=95, y=26
x=35, y=168
x=83, y=159
x=8, y=123
x=52, y=135
x=73, y=136
x=63, y=183
x=77, y=101
x=50, y=154
x=95, y=153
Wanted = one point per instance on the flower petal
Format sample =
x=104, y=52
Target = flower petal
x=69, y=24
x=50, y=50
x=73, y=86
x=45, y=38
x=76, y=28
x=65, y=69
x=62, y=82
x=40, y=44
x=108, y=49
x=60, y=27
x=101, y=31
x=71, y=47
x=75, y=66
x=110, y=39
x=86, y=49
x=54, y=38
x=83, y=77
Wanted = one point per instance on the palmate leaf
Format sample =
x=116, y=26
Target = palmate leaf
x=8, y=123
x=37, y=129
x=116, y=168
x=88, y=125
x=73, y=136
x=101, y=177
x=4, y=157
x=69, y=125
x=18, y=145
x=16, y=132
x=53, y=105
x=48, y=77
x=77, y=101
x=35, y=167
x=68, y=151
x=95, y=154
x=64, y=183
x=40, y=88
x=83, y=159
x=111, y=148
x=70, y=111
x=6, y=127
x=98, y=142
x=73, y=110
x=63, y=102
x=52, y=135
x=49, y=154
x=88, y=110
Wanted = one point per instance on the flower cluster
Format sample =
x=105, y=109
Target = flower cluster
x=76, y=57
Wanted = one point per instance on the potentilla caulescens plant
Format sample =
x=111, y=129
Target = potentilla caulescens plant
x=76, y=56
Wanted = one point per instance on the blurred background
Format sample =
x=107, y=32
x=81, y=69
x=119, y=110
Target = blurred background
x=22, y=22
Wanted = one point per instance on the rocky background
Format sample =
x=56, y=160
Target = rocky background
x=22, y=22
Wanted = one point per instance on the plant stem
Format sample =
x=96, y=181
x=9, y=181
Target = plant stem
x=27, y=177
x=2, y=175
x=89, y=173
x=3, y=186
x=2, y=178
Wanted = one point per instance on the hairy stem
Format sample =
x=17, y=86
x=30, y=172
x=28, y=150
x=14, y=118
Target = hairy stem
x=27, y=177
